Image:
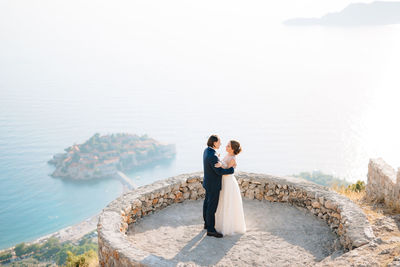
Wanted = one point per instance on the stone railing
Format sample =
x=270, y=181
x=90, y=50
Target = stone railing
x=383, y=183
x=344, y=217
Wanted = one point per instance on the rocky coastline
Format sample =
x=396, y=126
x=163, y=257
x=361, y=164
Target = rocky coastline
x=103, y=156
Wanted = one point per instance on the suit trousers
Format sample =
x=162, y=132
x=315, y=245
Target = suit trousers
x=209, y=208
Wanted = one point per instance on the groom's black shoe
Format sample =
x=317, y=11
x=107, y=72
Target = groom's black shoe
x=215, y=234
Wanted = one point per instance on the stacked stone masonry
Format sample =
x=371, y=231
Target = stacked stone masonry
x=344, y=217
x=383, y=183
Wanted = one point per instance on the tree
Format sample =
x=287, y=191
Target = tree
x=75, y=157
x=84, y=148
x=62, y=255
x=49, y=249
x=94, y=139
x=20, y=249
x=32, y=248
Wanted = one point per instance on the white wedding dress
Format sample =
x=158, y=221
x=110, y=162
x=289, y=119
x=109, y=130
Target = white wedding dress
x=229, y=217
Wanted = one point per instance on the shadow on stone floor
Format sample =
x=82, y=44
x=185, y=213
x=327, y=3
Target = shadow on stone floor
x=279, y=221
x=196, y=251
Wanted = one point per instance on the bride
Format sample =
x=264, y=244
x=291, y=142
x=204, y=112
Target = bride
x=229, y=217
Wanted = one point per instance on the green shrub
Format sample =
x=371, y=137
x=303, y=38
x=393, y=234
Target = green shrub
x=5, y=256
x=357, y=187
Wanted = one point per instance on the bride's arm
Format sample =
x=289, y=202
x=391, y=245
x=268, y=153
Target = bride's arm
x=232, y=163
x=220, y=165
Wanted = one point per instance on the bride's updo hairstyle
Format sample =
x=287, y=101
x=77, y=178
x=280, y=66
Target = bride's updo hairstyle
x=235, y=145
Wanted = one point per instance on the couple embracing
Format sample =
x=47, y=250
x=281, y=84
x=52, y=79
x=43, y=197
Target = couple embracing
x=222, y=208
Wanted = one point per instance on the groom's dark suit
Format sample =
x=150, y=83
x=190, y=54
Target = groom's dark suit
x=212, y=184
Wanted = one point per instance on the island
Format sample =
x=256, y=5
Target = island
x=107, y=155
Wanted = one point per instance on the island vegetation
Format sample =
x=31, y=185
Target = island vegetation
x=103, y=156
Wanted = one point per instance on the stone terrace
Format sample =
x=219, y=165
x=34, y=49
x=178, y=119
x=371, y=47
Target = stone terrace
x=344, y=217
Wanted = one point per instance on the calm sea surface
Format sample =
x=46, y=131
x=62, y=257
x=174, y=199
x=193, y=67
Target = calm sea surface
x=297, y=98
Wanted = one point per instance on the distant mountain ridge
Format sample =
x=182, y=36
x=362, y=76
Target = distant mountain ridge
x=358, y=14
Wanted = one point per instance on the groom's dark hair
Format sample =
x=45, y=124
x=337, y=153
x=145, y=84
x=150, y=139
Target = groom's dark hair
x=212, y=139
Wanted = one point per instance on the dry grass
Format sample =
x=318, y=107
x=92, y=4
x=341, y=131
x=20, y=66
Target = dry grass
x=352, y=195
x=375, y=211
x=375, y=207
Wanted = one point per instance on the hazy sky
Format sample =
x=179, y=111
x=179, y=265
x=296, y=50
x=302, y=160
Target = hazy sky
x=193, y=48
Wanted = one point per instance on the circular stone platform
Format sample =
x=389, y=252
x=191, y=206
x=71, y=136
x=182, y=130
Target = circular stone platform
x=277, y=235
x=290, y=221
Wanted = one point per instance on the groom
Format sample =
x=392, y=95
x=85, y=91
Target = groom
x=212, y=184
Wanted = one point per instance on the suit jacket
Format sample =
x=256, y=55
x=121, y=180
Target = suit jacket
x=213, y=175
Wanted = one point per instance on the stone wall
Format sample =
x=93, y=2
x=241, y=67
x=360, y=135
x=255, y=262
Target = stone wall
x=344, y=217
x=383, y=183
